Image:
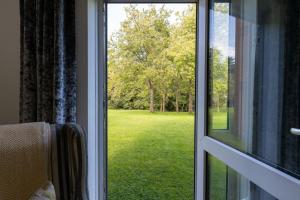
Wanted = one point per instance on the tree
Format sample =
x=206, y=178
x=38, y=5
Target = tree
x=182, y=55
x=219, y=72
x=141, y=39
x=151, y=63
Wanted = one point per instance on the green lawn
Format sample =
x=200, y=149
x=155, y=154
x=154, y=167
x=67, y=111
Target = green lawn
x=219, y=120
x=150, y=155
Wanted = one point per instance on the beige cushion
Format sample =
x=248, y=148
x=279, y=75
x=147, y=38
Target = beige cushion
x=44, y=193
x=23, y=159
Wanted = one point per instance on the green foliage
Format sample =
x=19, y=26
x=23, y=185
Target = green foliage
x=181, y=53
x=219, y=78
x=151, y=62
x=135, y=57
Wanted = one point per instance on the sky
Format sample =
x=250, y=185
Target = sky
x=222, y=39
x=116, y=14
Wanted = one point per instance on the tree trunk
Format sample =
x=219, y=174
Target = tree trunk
x=177, y=101
x=218, y=103
x=161, y=105
x=151, y=91
x=163, y=102
x=190, y=103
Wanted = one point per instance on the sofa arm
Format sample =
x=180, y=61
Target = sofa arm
x=69, y=162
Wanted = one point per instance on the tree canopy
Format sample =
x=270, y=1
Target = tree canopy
x=151, y=61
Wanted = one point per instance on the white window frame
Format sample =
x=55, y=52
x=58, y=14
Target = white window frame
x=275, y=182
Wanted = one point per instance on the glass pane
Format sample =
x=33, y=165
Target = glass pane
x=219, y=67
x=254, y=87
x=224, y=183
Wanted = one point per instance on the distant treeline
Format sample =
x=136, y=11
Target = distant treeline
x=151, y=62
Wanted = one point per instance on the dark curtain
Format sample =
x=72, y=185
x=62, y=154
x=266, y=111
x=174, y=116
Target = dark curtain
x=269, y=77
x=277, y=85
x=48, y=66
x=277, y=105
x=290, y=150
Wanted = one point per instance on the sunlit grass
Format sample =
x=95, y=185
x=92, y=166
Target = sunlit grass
x=150, y=155
x=219, y=120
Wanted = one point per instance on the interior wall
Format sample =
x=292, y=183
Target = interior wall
x=10, y=73
x=9, y=61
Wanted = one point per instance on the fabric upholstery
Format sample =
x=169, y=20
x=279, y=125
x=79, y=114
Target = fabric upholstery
x=24, y=159
x=33, y=153
x=48, y=64
x=46, y=192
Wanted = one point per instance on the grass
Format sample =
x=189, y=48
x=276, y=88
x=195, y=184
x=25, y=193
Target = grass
x=219, y=120
x=217, y=175
x=150, y=155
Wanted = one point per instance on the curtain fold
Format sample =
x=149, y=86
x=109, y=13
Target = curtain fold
x=48, y=61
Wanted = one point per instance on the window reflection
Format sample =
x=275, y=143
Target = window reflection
x=219, y=66
x=254, y=73
x=224, y=183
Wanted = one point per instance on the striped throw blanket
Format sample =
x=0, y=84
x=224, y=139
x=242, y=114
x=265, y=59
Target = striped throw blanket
x=69, y=162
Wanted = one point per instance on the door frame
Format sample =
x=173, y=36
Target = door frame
x=272, y=180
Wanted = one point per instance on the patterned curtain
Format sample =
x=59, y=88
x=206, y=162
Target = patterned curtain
x=48, y=67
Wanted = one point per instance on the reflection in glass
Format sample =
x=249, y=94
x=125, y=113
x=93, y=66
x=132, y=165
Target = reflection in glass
x=219, y=67
x=254, y=73
x=224, y=183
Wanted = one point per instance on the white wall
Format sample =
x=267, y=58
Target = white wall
x=9, y=61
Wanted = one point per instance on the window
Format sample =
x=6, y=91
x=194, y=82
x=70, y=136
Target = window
x=242, y=47
x=251, y=59
x=224, y=183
